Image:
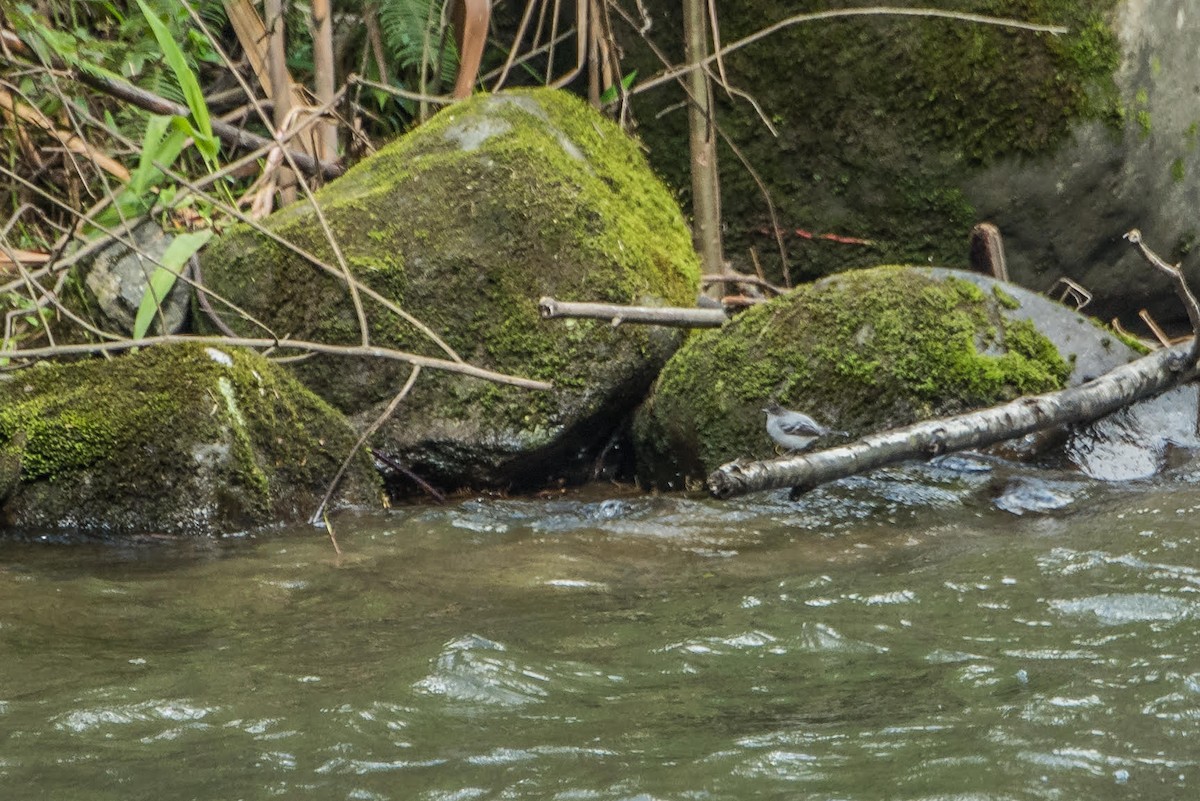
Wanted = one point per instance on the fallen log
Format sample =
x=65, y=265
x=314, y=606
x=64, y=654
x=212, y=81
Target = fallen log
x=1143, y=378
x=675, y=316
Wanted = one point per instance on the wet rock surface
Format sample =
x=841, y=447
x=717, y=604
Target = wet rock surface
x=1139, y=441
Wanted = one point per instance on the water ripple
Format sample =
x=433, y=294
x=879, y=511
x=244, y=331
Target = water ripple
x=1115, y=609
x=470, y=669
x=83, y=720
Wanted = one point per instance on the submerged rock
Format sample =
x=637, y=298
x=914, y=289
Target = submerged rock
x=1034, y=496
x=465, y=223
x=1141, y=440
x=862, y=351
x=177, y=439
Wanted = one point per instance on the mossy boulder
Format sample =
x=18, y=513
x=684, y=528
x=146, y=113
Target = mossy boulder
x=179, y=439
x=862, y=351
x=465, y=223
x=904, y=132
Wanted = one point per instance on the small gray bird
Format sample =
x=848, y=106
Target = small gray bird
x=793, y=430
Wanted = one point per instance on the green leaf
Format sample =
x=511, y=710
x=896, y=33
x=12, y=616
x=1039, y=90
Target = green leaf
x=161, y=143
x=610, y=94
x=163, y=277
x=158, y=145
x=206, y=143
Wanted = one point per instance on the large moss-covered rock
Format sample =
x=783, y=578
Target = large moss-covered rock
x=177, y=439
x=465, y=223
x=904, y=132
x=862, y=351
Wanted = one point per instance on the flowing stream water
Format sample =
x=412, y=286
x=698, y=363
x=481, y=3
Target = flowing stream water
x=895, y=637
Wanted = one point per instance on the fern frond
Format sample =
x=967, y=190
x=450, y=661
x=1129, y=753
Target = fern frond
x=408, y=26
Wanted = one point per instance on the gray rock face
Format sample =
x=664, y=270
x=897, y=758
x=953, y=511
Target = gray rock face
x=177, y=440
x=902, y=134
x=1065, y=214
x=1090, y=349
x=118, y=276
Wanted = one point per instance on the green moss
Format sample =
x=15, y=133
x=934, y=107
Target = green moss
x=1178, y=170
x=71, y=417
x=865, y=350
x=1004, y=299
x=1185, y=244
x=1032, y=363
x=1142, y=118
x=1131, y=342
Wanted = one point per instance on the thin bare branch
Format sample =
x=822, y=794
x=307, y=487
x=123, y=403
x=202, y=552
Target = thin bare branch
x=798, y=19
x=779, y=243
x=119, y=234
x=674, y=316
x=362, y=440
x=512, y=53
x=359, y=80
x=1180, y=285
x=741, y=278
x=370, y=351
x=229, y=134
x=319, y=264
x=343, y=267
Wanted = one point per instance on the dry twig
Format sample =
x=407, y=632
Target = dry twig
x=890, y=11
x=1180, y=285
x=362, y=440
x=675, y=316
x=369, y=351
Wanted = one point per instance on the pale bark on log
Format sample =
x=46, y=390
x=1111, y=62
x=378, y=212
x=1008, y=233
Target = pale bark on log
x=1143, y=378
x=675, y=316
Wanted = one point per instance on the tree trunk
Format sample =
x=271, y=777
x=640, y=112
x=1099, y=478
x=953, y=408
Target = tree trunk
x=281, y=89
x=706, y=191
x=324, y=77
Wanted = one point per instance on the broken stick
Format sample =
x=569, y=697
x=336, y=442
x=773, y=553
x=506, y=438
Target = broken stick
x=675, y=316
x=1180, y=285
